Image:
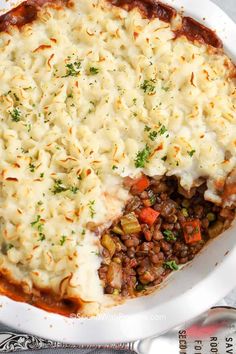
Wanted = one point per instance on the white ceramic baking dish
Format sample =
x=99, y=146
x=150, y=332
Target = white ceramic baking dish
x=185, y=294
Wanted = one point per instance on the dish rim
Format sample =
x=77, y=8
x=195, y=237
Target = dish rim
x=11, y=311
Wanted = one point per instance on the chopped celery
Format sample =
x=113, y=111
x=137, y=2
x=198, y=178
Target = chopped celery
x=117, y=230
x=108, y=243
x=130, y=224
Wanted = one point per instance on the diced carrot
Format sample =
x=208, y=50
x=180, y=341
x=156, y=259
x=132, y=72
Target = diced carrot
x=148, y=216
x=192, y=231
x=140, y=185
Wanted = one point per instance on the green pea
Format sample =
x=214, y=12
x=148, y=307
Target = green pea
x=211, y=217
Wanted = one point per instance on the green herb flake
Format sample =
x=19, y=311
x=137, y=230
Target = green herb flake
x=15, y=115
x=36, y=221
x=152, y=199
x=152, y=135
x=191, y=153
x=39, y=227
x=147, y=128
x=171, y=265
x=74, y=189
x=147, y=86
x=91, y=208
x=163, y=130
x=73, y=69
x=134, y=100
x=114, y=167
x=169, y=236
x=62, y=240
x=32, y=167
x=42, y=237
x=58, y=187
x=93, y=70
x=164, y=158
x=41, y=175
x=40, y=202
x=142, y=157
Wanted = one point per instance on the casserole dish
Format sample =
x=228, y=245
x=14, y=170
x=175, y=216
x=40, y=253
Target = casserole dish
x=208, y=278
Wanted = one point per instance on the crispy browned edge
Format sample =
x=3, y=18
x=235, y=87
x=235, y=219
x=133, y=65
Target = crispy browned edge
x=193, y=30
x=27, y=12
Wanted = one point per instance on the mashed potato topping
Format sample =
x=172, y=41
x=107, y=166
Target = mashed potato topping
x=89, y=95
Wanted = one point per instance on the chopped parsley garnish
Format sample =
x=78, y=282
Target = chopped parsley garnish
x=142, y=157
x=147, y=128
x=74, y=190
x=191, y=153
x=42, y=237
x=114, y=167
x=36, y=221
x=39, y=226
x=73, y=69
x=171, y=265
x=59, y=187
x=152, y=135
x=147, y=86
x=91, y=208
x=41, y=175
x=134, y=100
x=62, y=240
x=164, y=158
x=169, y=236
x=163, y=130
x=93, y=70
x=15, y=115
x=40, y=202
x=32, y=167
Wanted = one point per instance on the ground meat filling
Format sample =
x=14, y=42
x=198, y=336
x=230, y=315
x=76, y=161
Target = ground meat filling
x=162, y=227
